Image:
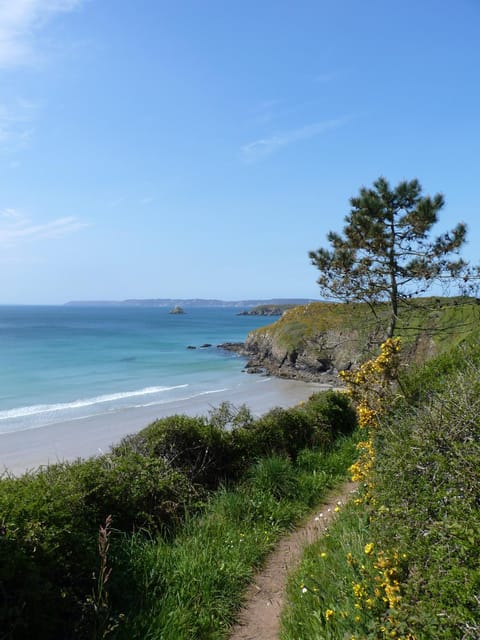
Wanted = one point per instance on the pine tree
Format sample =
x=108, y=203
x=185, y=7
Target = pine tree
x=385, y=252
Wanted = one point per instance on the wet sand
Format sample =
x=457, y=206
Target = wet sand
x=66, y=441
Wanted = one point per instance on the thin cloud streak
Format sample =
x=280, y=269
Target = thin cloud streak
x=19, y=22
x=263, y=147
x=16, y=123
x=16, y=227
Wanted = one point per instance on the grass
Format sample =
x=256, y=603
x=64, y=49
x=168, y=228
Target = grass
x=406, y=565
x=193, y=586
x=321, y=600
x=154, y=486
x=427, y=328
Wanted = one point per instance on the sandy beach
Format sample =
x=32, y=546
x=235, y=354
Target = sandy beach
x=66, y=441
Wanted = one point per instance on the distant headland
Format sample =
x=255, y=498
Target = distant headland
x=193, y=302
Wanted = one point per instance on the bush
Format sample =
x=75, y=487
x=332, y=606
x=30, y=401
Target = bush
x=137, y=491
x=48, y=541
x=190, y=444
x=427, y=477
x=47, y=553
x=333, y=409
x=276, y=476
x=49, y=520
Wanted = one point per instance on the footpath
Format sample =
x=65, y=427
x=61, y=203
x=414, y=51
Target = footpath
x=259, y=618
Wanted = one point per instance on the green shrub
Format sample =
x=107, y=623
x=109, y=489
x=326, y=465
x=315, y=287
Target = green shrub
x=137, y=491
x=276, y=476
x=49, y=520
x=334, y=409
x=47, y=553
x=427, y=476
x=201, y=450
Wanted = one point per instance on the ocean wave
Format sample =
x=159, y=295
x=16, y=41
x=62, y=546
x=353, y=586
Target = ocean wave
x=183, y=399
x=22, y=412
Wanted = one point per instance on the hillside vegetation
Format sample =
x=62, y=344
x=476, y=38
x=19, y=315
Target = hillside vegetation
x=159, y=538
x=187, y=508
x=402, y=560
x=315, y=341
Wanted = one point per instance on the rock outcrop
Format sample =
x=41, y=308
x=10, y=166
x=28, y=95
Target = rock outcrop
x=177, y=310
x=314, y=342
x=317, y=359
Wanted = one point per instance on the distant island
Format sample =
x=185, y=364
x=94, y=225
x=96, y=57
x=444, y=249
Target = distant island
x=190, y=302
x=177, y=310
x=268, y=309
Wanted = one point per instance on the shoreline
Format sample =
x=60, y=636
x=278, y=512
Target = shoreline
x=27, y=450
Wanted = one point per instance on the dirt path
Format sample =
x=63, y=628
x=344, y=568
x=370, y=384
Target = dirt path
x=260, y=617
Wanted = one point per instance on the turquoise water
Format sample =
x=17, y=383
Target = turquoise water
x=64, y=363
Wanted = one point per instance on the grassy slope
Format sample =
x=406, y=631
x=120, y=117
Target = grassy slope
x=441, y=322
x=423, y=527
x=55, y=580
x=193, y=585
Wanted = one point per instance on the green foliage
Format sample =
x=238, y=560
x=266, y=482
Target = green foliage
x=323, y=583
x=334, y=409
x=194, y=585
x=150, y=482
x=275, y=475
x=406, y=564
x=192, y=445
x=48, y=551
x=420, y=382
x=427, y=472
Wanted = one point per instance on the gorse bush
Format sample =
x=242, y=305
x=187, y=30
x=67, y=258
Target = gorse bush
x=148, y=483
x=427, y=475
x=402, y=561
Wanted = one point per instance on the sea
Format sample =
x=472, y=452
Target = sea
x=60, y=363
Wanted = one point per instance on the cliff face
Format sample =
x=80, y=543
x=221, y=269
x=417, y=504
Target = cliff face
x=310, y=343
x=315, y=341
x=318, y=358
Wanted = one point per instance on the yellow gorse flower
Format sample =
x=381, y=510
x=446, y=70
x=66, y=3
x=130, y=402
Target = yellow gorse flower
x=369, y=387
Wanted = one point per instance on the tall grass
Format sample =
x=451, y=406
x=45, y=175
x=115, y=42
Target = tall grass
x=153, y=485
x=406, y=565
x=193, y=585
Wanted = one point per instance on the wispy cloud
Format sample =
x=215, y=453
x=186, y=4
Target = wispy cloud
x=20, y=21
x=16, y=123
x=15, y=227
x=264, y=111
x=263, y=147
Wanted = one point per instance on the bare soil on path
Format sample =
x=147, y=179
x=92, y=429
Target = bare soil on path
x=260, y=617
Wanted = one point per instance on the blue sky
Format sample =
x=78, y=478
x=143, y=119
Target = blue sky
x=202, y=148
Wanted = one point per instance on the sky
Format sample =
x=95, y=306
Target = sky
x=201, y=148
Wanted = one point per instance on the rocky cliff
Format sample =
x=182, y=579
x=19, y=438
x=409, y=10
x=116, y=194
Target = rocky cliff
x=315, y=341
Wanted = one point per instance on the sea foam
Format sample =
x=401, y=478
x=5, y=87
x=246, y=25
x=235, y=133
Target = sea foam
x=21, y=412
